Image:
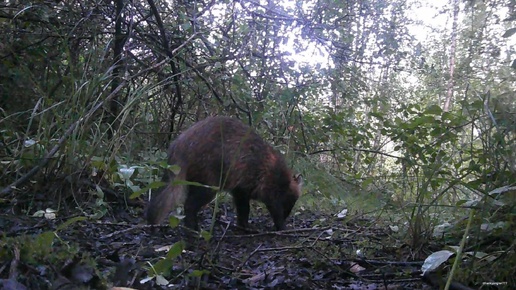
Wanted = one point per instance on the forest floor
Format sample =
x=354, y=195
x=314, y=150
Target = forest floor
x=318, y=251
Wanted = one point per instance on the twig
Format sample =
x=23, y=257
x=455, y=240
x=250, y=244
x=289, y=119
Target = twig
x=136, y=227
x=390, y=263
x=358, y=149
x=13, y=270
x=248, y=257
x=278, y=233
x=280, y=249
x=217, y=248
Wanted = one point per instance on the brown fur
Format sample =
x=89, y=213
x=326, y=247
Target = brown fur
x=224, y=152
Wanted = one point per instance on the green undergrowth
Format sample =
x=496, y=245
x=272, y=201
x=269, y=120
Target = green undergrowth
x=41, y=259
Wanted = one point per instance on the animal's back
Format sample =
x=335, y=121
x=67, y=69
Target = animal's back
x=218, y=147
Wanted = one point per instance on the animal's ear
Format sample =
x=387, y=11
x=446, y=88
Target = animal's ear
x=298, y=178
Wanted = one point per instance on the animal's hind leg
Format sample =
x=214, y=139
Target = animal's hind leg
x=197, y=197
x=241, y=200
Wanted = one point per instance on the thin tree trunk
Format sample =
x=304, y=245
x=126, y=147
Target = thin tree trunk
x=449, y=94
x=115, y=103
x=176, y=76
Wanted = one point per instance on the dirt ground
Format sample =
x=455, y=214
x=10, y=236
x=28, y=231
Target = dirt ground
x=317, y=251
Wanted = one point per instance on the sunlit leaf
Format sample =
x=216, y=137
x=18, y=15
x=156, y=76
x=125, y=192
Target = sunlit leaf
x=439, y=230
x=394, y=228
x=29, y=142
x=435, y=260
x=39, y=213
x=134, y=188
x=50, y=214
x=161, y=281
x=342, y=214
x=146, y=279
x=126, y=172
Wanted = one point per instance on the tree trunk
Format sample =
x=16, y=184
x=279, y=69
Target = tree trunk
x=449, y=94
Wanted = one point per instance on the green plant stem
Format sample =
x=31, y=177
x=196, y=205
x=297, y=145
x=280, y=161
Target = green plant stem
x=214, y=215
x=459, y=251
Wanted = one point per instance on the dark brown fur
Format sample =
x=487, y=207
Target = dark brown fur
x=224, y=152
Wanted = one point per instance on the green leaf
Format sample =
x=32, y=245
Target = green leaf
x=163, y=267
x=367, y=181
x=206, y=236
x=45, y=240
x=98, y=162
x=100, y=192
x=156, y=184
x=186, y=25
x=174, y=168
x=174, y=221
x=99, y=212
x=134, y=188
x=198, y=273
x=419, y=121
x=70, y=221
x=378, y=115
x=175, y=250
x=152, y=185
x=460, y=202
x=477, y=104
x=433, y=110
